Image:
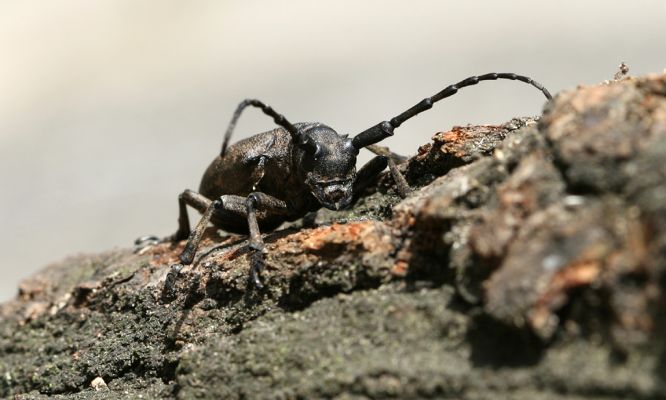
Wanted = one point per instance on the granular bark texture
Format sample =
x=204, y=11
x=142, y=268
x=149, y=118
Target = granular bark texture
x=528, y=263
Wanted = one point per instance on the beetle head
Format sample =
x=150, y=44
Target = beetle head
x=329, y=168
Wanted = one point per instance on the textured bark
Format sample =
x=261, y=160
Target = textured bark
x=529, y=263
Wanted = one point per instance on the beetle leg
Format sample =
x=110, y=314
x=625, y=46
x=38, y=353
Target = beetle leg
x=399, y=180
x=246, y=207
x=143, y=242
x=195, y=200
x=367, y=174
x=231, y=203
x=187, y=256
x=385, y=151
x=258, y=172
x=188, y=197
x=228, y=203
x=259, y=201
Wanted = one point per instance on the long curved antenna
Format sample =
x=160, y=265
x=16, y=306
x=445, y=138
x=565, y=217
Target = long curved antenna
x=385, y=129
x=297, y=136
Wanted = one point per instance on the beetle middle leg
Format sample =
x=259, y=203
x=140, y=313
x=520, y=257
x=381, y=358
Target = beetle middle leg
x=198, y=201
x=186, y=198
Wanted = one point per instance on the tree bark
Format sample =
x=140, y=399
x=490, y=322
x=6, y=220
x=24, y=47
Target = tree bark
x=528, y=263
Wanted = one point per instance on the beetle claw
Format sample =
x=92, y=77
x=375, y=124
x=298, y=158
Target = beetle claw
x=169, y=289
x=257, y=265
x=143, y=242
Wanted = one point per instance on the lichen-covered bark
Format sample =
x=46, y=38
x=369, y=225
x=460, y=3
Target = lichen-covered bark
x=527, y=264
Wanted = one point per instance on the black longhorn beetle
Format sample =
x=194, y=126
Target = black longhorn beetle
x=281, y=175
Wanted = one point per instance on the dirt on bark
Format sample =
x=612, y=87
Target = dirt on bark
x=528, y=263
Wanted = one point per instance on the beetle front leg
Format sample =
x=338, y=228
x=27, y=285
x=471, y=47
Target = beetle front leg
x=367, y=174
x=255, y=201
x=399, y=180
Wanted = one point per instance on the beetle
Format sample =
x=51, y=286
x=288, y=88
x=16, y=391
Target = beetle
x=280, y=175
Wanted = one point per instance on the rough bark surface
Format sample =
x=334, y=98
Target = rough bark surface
x=529, y=263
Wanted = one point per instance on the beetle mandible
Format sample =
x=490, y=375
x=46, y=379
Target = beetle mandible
x=281, y=175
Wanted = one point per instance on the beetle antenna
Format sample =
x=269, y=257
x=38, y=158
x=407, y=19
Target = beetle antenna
x=297, y=136
x=385, y=129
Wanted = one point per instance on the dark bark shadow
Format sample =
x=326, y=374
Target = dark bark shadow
x=498, y=345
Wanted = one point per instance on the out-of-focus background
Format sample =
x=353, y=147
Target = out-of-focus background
x=110, y=108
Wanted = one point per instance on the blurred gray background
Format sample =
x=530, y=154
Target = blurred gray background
x=110, y=108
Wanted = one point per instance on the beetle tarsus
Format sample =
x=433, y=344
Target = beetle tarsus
x=143, y=242
x=257, y=265
x=169, y=290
